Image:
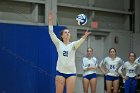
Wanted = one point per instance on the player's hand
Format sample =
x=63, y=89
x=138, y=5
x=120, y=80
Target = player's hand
x=125, y=77
x=104, y=73
x=91, y=68
x=50, y=18
x=87, y=33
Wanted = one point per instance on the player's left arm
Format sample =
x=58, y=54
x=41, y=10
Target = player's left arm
x=79, y=42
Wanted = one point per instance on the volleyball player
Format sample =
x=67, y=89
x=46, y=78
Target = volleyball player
x=90, y=65
x=111, y=64
x=130, y=76
x=66, y=70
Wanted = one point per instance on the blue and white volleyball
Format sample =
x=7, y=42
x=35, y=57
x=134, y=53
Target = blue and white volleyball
x=81, y=19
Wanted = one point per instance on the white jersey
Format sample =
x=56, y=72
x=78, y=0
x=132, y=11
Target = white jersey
x=137, y=61
x=66, y=54
x=89, y=63
x=130, y=69
x=112, y=65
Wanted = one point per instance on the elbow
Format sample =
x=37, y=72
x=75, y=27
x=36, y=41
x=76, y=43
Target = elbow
x=119, y=71
x=84, y=69
x=99, y=67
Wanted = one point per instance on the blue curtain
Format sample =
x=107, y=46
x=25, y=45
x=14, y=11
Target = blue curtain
x=27, y=59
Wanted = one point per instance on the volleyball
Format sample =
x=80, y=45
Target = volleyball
x=81, y=19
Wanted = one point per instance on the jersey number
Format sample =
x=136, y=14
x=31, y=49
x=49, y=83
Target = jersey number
x=65, y=53
x=131, y=71
x=112, y=66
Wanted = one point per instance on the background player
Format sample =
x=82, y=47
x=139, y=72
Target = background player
x=130, y=76
x=112, y=64
x=90, y=64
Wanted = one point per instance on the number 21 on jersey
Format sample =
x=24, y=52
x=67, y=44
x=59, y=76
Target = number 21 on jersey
x=65, y=53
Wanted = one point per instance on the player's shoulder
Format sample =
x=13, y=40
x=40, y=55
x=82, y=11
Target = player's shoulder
x=107, y=58
x=118, y=58
x=61, y=43
x=126, y=62
x=85, y=58
x=73, y=42
x=94, y=58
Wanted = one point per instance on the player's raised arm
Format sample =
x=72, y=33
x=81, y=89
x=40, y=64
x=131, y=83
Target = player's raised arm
x=86, y=34
x=50, y=21
x=79, y=42
x=52, y=34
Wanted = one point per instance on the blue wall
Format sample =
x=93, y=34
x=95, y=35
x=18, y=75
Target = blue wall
x=27, y=59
